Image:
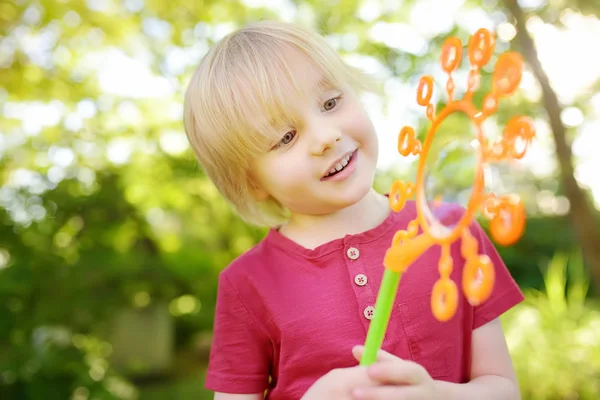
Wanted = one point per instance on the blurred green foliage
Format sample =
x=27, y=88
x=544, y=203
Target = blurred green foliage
x=103, y=208
x=554, y=337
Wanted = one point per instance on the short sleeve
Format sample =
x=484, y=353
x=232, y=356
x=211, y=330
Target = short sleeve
x=241, y=352
x=506, y=293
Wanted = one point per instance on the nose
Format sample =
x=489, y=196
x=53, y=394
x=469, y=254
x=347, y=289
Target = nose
x=324, y=138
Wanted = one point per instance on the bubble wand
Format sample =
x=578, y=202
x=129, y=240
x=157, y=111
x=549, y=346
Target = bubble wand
x=506, y=212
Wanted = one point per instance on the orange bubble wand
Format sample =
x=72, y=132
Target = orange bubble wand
x=506, y=212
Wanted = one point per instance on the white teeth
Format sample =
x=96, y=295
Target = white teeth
x=339, y=166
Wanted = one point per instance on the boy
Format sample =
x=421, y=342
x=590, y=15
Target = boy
x=274, y=117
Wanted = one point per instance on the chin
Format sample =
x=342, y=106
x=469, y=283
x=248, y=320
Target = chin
x=359, y=190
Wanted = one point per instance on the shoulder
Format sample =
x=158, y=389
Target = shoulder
x=247, y=264
x=255, y=268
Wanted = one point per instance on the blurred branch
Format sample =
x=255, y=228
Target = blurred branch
x=580, y=210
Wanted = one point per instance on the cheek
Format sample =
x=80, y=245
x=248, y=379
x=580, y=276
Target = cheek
x=283, y=176
x=362, y=127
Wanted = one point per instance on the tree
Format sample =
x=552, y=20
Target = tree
x=102, y=205
x=581, y=212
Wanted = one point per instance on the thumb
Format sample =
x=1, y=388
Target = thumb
x=382, y=355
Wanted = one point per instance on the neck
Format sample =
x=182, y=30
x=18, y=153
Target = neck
x=311, y=231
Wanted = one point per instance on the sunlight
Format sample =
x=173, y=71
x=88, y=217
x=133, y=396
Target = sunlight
x=571, y=69
x=564, y=52
x=125, y=76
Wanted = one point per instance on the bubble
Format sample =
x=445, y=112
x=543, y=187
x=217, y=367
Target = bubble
x=451, y=171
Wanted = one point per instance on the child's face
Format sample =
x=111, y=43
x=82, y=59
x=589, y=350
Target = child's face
x=335, y=131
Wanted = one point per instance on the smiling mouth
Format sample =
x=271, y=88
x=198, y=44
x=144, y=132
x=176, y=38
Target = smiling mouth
x=339, y=167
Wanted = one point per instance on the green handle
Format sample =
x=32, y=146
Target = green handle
x=381, y=316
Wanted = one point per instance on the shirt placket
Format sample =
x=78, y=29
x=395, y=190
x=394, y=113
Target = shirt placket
x=360, y=282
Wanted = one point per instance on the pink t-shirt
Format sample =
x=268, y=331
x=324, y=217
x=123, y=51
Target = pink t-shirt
x=287, y=315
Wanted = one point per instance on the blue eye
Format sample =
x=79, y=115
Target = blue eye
x=288, y=137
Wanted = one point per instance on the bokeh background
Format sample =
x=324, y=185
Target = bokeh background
x=111, y=236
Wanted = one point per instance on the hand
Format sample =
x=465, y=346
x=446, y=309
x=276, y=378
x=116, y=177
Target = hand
x=339, y=383
x=396, y=379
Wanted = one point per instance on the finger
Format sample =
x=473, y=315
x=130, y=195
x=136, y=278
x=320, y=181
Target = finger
x=382, y=355
x=360, y=377
x=353, y=377
x=397, y=372
x=388, y=393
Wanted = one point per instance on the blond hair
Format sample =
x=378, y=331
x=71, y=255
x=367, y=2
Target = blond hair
x=240, y=97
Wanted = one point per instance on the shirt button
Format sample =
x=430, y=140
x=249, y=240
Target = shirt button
x=369, y=312
x=353, y=253
x=360, y=280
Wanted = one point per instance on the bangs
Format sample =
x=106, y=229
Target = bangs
x=272, y=86
x=256, y=85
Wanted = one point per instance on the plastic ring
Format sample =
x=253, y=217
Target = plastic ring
x=444, y=299
x=451, y=54
x=397, y=195
x=406, y=141
x=507, y=73
x=519, y=129
x=425, y=90
x=478, y=279
x=508, y=224
x=481, y=46
x=399, y=236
